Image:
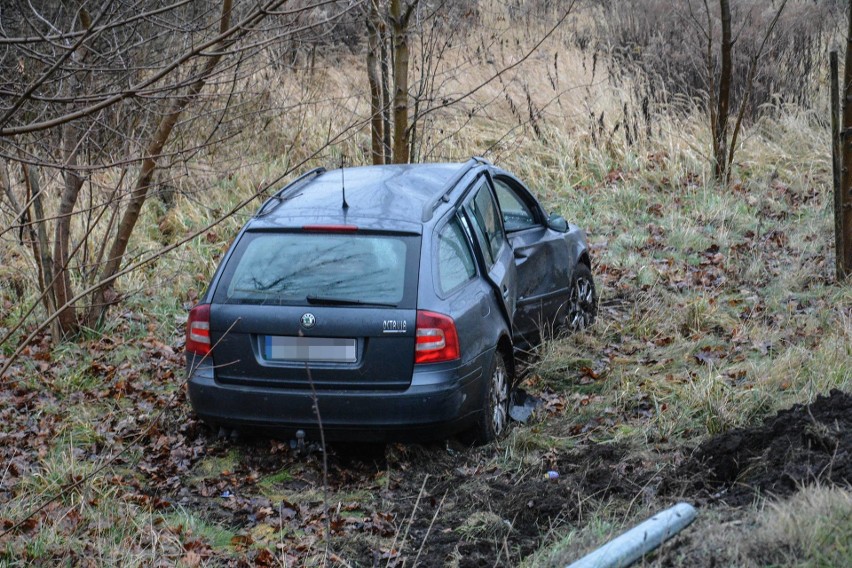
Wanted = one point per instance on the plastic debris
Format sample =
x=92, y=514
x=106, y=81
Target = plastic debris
x=522, y=405
x=551, y=475
x=226, y=494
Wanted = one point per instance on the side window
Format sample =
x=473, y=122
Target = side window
x=516, y=214
x=455, y=261
x=486, y=223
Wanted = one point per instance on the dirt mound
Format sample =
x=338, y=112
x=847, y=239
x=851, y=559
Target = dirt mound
x=801, y=445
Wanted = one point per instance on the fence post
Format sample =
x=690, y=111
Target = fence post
x=846, y=159
x=835, y=163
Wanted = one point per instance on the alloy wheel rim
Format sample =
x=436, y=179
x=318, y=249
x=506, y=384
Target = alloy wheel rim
x=499, y=399
x=582, y=300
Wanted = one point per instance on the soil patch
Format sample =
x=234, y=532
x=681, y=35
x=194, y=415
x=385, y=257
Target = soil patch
x=473, y=517
x=798, y=446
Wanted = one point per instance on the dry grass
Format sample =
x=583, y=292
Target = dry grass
x=812, y=528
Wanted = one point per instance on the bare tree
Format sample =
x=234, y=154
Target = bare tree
x=390, y=140
x=142, y=185
x=724, y=145
x=428, y=30
x=719, y=118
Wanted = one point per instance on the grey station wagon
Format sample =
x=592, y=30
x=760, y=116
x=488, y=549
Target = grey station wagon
x=384, y=303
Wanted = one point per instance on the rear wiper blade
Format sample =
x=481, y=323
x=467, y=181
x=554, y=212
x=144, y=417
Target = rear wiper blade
x=319, y=300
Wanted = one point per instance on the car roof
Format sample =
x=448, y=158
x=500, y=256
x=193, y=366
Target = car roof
x=387, y=197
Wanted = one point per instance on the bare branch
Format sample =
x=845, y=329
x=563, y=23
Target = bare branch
x=241, y=27
x=94, y=29
x=57, y=64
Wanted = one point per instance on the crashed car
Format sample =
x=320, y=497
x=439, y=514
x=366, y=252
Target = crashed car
x=384, y=303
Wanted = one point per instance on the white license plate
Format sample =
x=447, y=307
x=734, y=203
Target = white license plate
x=310, y=349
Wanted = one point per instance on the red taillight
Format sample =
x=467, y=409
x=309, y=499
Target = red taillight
x=330, y=228
x=198, y=330
x=436, y=339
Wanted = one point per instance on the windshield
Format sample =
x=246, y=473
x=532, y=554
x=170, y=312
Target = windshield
x=332, y=268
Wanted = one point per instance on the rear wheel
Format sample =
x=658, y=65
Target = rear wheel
x=583, y=300
x=494, y=419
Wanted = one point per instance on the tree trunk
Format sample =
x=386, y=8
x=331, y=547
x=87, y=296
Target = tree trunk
x=385, y=70
x=41, y=249
x=104, y=295
x=376, y=122
x=712, y=104
x=720, y=134
x=67, y=318
x=70, y=135
x=846, y=173
x=399, y=21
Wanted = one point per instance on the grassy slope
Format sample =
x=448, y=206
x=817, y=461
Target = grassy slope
x=718, y=306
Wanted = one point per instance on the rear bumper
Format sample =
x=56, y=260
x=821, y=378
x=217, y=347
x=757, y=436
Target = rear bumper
x=440, y=402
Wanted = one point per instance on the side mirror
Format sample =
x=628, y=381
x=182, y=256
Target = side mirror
x=557, y=223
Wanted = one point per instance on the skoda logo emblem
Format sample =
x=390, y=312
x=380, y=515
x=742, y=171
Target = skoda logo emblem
x=308, y=320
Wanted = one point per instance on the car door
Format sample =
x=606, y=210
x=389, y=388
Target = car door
x=484, y=223
x=466, y=297
x=541, y=258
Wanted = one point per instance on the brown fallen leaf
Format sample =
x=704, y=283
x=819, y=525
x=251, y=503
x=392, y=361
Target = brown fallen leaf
x=241, y=541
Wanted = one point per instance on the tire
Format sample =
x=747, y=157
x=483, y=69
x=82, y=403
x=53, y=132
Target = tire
x=493, y=422
x=582, y=308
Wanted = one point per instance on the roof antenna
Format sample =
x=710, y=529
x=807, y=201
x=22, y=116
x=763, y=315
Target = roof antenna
x=343, y=180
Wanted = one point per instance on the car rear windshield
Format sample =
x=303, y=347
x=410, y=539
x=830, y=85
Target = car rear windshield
x=308, y=268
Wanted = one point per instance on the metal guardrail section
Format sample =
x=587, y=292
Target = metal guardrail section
x=444, y=196
x=279, y=196
x=640, y=540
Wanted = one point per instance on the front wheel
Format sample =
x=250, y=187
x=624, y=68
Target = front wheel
x=494, y=419
x=583, y=300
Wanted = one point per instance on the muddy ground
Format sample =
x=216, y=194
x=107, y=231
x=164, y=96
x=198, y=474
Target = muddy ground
x=448, y=505
x=798, y=446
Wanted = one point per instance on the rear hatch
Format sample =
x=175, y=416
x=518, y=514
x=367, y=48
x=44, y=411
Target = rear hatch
x=332, y=305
